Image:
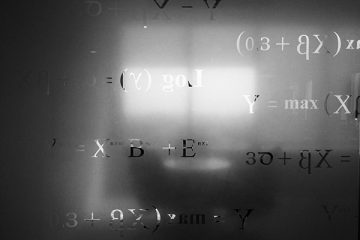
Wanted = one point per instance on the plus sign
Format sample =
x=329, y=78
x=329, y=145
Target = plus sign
x=92, y=219
x=284, y=158
x=282, y=43
x=169, y=148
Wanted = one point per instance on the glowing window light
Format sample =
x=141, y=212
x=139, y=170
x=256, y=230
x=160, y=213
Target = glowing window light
x=168, y=93
x=222, y=92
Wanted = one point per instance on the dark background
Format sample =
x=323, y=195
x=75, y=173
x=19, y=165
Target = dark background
x=54, y=38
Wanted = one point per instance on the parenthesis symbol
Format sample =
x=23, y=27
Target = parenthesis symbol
x=325, y=104
x=238, y=41
x=149, y=80
x=338, y=45
x=356, y=107
x=122, y=79
x=54, y=142
x=158, y=219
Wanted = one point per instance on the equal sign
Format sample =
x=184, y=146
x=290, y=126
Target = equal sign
x=273, y=104
x=80, y=148
x=109, y=78
x=345, y=160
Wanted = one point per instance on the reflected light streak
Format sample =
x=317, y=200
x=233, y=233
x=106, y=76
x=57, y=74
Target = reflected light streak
x=208, y=164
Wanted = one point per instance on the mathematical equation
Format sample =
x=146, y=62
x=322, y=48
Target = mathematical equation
x=306, y=45
x=151, y=219
x=148, y=219
x=137, y=147
x=310, y=104
x=95, y=8
x=141, y=80
x=308, y=160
